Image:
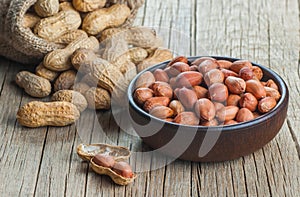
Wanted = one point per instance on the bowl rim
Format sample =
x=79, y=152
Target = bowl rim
x=225, y=128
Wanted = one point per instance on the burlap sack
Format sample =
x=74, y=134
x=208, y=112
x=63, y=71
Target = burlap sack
x=20, y=44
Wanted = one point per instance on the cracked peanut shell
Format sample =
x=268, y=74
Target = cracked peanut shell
x=88, y=151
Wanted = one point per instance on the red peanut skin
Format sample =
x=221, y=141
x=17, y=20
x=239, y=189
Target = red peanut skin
x=123, y=168
x=104, y=160
x=188, y=79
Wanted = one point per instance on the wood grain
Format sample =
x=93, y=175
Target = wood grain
x=43, y=162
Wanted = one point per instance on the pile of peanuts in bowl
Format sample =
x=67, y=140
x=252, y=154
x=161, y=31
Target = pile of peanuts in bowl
x=206, y=92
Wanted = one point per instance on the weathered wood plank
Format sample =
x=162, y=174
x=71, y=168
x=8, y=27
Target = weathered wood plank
x=3, y=71
x=284, y=58
x=242, y=29
x=169, y=15
x=104, y=131
x=60, y=164
x=20, y=148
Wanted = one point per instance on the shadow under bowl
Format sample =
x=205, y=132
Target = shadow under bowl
x=209, y=144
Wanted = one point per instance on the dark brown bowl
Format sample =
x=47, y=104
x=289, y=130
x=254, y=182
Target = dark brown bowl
x=208, y=144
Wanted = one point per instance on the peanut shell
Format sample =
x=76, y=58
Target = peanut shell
x=53, y=27
x=70, y=36
x=88, y=5
x=60, y=59
x=103, y=72
x=65, y=80
x=39, y=114
x=88, y=151
x=45, y=8
x=30, y=20
x=118, y=179
x=33, y=85
x=71, y=96
x=42, y=71
x=137, y=36
x=81, y=87
x=98, y=98
x=158, y=56
x=66, y=5
x=104, y=18
x=134, y=55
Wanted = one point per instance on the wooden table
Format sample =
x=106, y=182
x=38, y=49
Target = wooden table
x=43, y=162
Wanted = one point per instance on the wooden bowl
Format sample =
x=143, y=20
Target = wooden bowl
x=209, y=144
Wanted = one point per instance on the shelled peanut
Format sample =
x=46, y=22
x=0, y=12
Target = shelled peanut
x=206, y=92
x=121, y=168
x=108, y=160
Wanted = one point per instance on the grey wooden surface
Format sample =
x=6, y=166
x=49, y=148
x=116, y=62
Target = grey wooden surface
x=43, y=162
